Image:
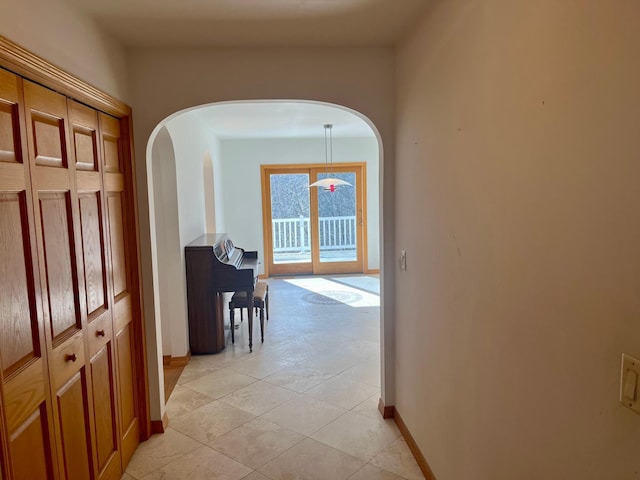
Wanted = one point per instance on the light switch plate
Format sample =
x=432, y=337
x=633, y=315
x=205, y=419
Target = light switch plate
x=630, y=383
x=403, y=259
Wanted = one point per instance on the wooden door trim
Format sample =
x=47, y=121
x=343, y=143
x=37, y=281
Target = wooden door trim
x=21, y=61
x=365, y=225
x=292, y=166
x=266, y=213
x=140, y=354
x=36, y=69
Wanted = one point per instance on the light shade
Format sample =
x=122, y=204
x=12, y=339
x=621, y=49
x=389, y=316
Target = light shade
x=329, y=183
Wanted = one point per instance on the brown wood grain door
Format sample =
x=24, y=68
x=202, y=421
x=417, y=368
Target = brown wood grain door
x=73, y=393
x=117, y=212
x=58, y=234
x=99, y=300
x=28, y=409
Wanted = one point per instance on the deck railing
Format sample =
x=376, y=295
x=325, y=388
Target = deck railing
x=293, y=234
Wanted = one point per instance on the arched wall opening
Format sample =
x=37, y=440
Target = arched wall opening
x=185, y=174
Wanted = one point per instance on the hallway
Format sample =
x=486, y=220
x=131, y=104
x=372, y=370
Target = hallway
x=302, y=406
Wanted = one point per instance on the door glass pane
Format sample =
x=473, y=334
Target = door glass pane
x=290, y=217
x=337, y=219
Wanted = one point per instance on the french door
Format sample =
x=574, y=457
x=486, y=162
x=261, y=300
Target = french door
x=310, y=230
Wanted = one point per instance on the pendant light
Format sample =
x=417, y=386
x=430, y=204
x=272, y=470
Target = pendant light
x=328, y=184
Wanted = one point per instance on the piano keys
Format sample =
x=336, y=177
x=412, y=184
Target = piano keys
x=214, y=266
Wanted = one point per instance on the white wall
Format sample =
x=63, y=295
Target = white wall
x=167, y=236
x=214, y=188
x=241, y=165
x=517, y=201
x=69, y=40
x=194, y=149
x=218, y=189
x=165, y=81
x=191, y=148
x=183, y=156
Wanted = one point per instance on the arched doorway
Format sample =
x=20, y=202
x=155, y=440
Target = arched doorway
x=196, y=152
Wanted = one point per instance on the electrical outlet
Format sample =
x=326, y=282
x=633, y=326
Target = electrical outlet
x=403, y=259
x=630, y=383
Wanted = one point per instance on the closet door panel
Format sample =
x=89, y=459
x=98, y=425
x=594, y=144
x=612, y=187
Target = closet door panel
x=119, y=244
x=111, y=144
x=72, y=402
x=126, y=374
x=118, y=252
x=29, y=447
x=62, y=277
x=73, y=408
x=17, y=315
x=62, y=288
x=46, y=114
x=104, y=406
x=84, y=124
x=129, y=421
x=26, y=402
x=24, y=394
x=9, y=120
x=53, y=185
x=49, y=141
x=93, y=252
x=19, y=326
x=84, y=138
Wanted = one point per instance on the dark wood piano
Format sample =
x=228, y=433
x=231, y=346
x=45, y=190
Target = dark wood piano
x=214, y=266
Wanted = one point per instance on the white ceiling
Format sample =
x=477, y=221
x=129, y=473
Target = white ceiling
x=237, y=23
x=254, y=22
x=279, y=120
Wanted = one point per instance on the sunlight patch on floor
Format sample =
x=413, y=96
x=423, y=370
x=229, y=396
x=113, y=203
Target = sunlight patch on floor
x=338, y=290
x=361, y=282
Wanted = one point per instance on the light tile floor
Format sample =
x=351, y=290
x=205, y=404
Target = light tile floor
x=302, y=406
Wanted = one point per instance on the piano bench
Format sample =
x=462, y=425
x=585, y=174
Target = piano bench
x=260, y=301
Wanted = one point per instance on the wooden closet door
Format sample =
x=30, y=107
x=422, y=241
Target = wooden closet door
x=118, y=210
x=25, y=387
x=99, y=300
x=64, y=300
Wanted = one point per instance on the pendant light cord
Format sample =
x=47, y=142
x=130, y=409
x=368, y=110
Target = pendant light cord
x=328, y=150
